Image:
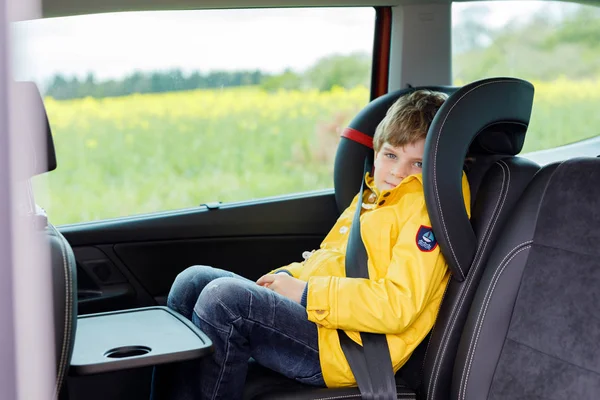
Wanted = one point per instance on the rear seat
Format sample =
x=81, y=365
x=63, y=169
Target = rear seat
x=38, y=159
x=534, y=325
x=497, y=113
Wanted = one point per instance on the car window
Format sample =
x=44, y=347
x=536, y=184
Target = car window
x=155, y=111
x=553, y=45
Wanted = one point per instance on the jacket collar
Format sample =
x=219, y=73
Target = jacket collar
x=370, y=181
x=412, y=183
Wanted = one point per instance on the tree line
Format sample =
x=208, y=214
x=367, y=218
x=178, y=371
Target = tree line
x=543, y=47
x=337, y=70
x=62, y=88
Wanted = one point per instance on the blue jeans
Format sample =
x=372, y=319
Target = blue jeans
x=243, y=320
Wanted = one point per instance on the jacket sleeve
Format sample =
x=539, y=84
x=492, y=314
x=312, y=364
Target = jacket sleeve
x=390, y=303
x=292, y=269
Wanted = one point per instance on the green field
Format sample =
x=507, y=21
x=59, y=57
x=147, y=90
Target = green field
x=156, y=152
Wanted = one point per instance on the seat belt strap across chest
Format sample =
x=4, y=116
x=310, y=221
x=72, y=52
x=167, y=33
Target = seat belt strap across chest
x=371, y=363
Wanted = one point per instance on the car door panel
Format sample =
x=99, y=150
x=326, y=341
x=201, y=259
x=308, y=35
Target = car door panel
x=156, y=264
x=132, y=262
x=104, y=283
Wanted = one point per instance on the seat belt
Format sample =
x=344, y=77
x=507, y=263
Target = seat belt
x=370, y=363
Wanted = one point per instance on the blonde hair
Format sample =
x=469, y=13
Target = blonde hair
x=408, y=119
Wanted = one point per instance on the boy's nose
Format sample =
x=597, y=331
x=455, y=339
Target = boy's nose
x=399, y=172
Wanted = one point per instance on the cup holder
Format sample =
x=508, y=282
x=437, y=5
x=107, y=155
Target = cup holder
x=127, y=351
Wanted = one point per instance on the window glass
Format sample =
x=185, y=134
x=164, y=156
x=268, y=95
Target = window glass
x=154, y=111
x=553, y=45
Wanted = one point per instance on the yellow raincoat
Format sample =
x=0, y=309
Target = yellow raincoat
x=407, y=272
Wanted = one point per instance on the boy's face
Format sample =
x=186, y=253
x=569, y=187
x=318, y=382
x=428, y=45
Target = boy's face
x=393, y=164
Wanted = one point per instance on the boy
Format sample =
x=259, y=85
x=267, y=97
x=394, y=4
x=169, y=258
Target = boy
x=287, y=320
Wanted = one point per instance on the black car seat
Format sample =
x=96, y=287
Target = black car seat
x=502, y=106
x=62, y=259
x=533, y=331
x=494, y=112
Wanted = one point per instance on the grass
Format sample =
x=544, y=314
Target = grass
x=563, y=112
x=155, y=152
x=145, y=153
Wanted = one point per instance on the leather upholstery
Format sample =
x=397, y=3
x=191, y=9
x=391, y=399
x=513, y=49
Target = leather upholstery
x=489, y=116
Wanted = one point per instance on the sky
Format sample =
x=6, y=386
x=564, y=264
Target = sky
x=113, y=45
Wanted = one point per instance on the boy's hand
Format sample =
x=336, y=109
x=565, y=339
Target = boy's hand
x=283, y=284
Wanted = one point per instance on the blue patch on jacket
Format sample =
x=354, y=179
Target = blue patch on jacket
x=426, y=239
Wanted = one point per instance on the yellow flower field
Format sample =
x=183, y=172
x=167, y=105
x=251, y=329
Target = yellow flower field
x=156, y=152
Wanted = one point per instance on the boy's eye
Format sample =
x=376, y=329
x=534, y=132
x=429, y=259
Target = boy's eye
x=391, y=155
x=418, y=164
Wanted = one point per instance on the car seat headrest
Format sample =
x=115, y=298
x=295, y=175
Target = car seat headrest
x=36, y=146
x=357, y=143
x=487, y=117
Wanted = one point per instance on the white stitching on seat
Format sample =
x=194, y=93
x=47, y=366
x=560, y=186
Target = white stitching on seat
x=480, y=317
x=435, y=167
x=465, y=288
x=351, y=396
x=471, y=349
x=431, y=337
x=495, y=217
x=68, y=311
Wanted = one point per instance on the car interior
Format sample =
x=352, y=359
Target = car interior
x=519, y=318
